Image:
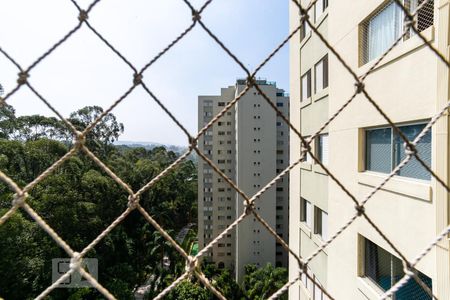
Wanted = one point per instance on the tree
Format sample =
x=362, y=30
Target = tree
x=263, y=282
x=32, y=128
x=78, y=200
x=8, y=121
x=188, y=290
x=104, y=133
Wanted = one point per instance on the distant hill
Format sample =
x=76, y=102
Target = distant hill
x=150, y=145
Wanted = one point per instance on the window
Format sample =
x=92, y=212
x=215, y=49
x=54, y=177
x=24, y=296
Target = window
x=305, y=212
x=306, y=85
x=305, y=29
x=322, y=148
x=321, y=74
x=385, y=269
x=309, y=158
x=321, y=223
x=313, y=286
x=321, y=5
x=318, y=290
x=279, y=104
x=305, y=279
x=386, y=25
x=221, y=104
x=385, y=150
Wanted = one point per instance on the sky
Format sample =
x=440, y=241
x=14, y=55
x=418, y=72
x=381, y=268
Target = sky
x=84, y=71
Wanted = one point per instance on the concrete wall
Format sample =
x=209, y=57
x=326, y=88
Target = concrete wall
x=294, y=180
x=410, y=85
x=404, y=85
x=309, y=181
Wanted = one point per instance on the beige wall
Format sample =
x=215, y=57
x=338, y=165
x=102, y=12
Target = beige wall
x=294, y=186
x=411, y=86
x=404, y=85
x=308, y=181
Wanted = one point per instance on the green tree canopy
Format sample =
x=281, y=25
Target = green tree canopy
x=79, y=200
x=261, y=283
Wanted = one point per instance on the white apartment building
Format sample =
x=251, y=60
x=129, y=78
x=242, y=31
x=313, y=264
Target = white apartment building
x=250, y=144
x=360, y=148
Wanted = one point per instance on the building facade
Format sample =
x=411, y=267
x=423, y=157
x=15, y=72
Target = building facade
x=360, y=148
x=250, y=144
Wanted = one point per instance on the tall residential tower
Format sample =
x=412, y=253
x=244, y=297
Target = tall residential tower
x=250, y=144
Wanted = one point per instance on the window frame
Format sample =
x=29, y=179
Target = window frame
x=364, y=55
x=324, y=6
x=325, y=74
x=394, y=134
x=304, y=212
x=319, y=223
x=305, y=29
x=364, y=269
x=308, y=92
x=318, y=149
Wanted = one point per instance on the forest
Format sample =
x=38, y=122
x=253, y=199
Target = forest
x=79, y=200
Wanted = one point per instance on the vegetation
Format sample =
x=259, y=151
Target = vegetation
x=262, y=283
x=259, y=283
x=79, y=200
